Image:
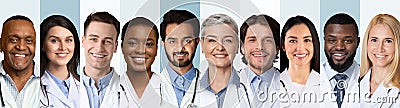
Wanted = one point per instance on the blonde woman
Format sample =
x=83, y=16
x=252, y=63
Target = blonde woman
x=380, y=72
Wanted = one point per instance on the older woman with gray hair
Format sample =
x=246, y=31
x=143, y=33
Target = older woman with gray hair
x=220, y=84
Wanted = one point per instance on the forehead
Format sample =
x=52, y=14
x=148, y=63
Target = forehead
x=219, y=30
x=101, y=29
x=259, y=31
x=340, y=30
x=140, y=32
x=59, y=32
x=182, y=30
x=381, y=31
x=19, y=28
x=298, y=30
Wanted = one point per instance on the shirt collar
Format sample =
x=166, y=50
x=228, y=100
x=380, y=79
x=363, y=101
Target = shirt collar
x=103, y=82
x=267, y=75
x=57, y=80
x=233, y=79
x=331, y=73
x=36, y=72
x=188, y=75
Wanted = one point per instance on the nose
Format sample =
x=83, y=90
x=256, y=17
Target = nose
x=300, y=46
x=99, y=46
x=339, y=45
x=62, y=46
x=21, y=45
x=140, y=49
x=220, y=47
x=261, y=45
x=380, y=47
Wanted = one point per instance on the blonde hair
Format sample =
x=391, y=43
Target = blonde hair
x=393, y=77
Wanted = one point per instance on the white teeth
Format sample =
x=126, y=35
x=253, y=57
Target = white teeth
x=20, y=55
x=338, y=54
x=180, y=55
x=62, y=55
x=301, y=55
x=140, y=59
x=219, y=55
x=98, y=55
x=379, y=56
x=257, y=55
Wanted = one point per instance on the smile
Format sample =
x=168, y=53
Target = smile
x=98, y=55
x=19, y=55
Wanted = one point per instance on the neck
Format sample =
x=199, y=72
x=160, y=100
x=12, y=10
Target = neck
x=299, y=73
x=219, y=77
x=181, y=70
x=59, y=71
x=19, y=77
x=139, y=80
x=259, y=71
x=378, y=74
x=96, y=74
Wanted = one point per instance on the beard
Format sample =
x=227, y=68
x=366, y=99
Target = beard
x=341, y=67
x=184, y=64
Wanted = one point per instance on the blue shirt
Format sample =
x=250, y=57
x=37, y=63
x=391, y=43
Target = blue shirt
x=220, y=96
x=267, y=76
x=181, y=83
x=18, y=96
x=96, y=95
x=62, y=84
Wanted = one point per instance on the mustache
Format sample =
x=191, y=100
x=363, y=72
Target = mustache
x=181, y=53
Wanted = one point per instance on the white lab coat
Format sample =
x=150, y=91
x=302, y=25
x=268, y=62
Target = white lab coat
x=272, y=100
x=56, y=97
x=111, y=98
x=312, y=86
x=31, y=96
x=168, y=94
x=376, y=100
x=235, y=96
x=350, y=101
x=151, y=97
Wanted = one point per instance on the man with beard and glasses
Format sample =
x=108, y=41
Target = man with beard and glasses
x=340, y=73
x=19, y=75
x=179, y=32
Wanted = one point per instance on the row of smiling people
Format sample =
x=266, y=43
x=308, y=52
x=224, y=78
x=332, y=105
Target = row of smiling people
x=330, y=83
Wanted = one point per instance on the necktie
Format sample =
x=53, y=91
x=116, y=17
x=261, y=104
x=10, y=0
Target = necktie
x=339, y=88
x=260, y=91
x=179, y=84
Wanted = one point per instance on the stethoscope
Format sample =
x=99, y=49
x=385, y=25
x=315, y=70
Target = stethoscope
x=2, y=100
x=191, y=105
x=43, y=87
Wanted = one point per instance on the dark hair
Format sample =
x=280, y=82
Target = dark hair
x=262, y=20
x=178, y=17
x=138, y=21
x=18, y=17
x=315, y=40
x=45, y=26
x=341, y=18
x=104, y=17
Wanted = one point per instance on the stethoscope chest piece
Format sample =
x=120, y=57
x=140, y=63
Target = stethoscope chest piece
x=192, y=105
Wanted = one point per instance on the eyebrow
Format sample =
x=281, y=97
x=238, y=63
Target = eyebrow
x=93, y=35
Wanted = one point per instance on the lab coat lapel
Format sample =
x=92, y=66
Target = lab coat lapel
x=74, y=92
x=7, y=97
x=110, y=99
x=326, y=88
x=245, y=81
x=231, y=99
x=168, y=94
x=84, y=96
x=53, y=90
x=273, y=88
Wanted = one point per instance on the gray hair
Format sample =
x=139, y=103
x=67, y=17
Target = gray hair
x=219, y=19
